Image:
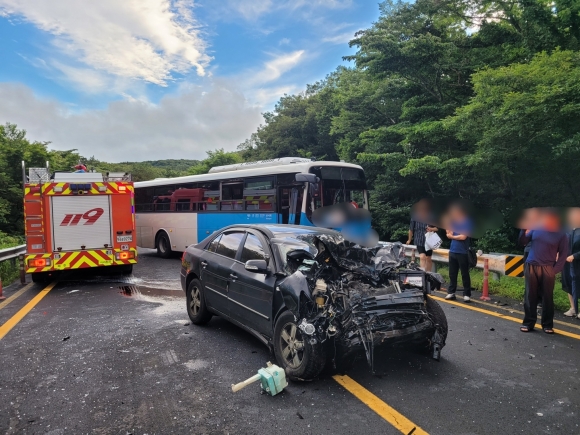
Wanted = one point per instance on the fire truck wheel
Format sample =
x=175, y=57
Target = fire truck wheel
x=127, y=269
x=163, y=245
x=39, y=277
x=196, y=308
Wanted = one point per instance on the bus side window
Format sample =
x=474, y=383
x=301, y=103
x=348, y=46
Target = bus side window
x=232, y=196
x=182, y=205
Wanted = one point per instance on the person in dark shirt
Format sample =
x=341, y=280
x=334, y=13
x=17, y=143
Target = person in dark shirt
x=459, y=229
x=546, y=258
x=571, y=273
x=420, y=213
x=417, y=231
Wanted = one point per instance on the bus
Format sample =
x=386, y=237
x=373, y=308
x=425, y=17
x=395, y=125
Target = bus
x=173, y=213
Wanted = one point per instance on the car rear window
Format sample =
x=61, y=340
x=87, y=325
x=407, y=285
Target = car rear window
x=229, y=244
x=253, y=249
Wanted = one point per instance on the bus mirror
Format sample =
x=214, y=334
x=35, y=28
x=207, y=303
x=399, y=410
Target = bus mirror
x=307, y=178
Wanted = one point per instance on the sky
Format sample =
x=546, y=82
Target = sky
x=139, y=80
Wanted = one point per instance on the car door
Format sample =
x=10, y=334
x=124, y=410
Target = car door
x=251, y=293
x=216, y=265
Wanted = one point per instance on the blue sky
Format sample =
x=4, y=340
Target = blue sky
x=160, y=79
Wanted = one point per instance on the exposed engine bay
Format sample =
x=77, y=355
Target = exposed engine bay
x=359, y=298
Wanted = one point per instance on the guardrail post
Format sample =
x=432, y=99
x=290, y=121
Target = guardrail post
x=22, y=271
x=1, y=297
x=485, y=293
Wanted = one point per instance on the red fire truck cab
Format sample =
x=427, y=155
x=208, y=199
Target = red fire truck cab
x=78, y=220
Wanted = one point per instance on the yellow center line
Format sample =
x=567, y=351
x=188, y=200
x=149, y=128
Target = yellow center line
x=396, y=419
x=9, y=300
x=514, y=310
x=13, y=321
x=503, y=316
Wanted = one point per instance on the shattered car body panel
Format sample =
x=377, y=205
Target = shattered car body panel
x=315, y=298
x=361, y=297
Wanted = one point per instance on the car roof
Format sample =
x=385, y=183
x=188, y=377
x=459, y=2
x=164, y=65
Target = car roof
x=284, y=230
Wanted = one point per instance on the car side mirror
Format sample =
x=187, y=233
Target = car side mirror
x=257, y=266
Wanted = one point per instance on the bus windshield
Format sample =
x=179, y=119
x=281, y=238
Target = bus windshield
x=340, y=185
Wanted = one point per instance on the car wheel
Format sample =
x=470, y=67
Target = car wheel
x=300, y=359
x=196, y=308
x=438, y=316
x=163, y=245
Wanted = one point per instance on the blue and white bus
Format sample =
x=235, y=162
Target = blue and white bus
x=172, y=213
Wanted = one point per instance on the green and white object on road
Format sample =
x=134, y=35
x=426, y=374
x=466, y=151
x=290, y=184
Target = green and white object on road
x=272, y=377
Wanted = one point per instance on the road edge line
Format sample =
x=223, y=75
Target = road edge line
x=503, y=316
x=513, y=310
x=16, y=295
x=13, y=321
x=395, y=418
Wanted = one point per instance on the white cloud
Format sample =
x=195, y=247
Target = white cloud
x=341, y=38
x=251, y=10
x=273, y=69
x=184, y=125
x=142, y=39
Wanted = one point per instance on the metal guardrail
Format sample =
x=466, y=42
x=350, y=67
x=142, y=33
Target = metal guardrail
x=501, y=264
x=8, y=253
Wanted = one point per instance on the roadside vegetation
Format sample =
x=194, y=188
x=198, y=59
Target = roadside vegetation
x=510, y=287
x=9, y=268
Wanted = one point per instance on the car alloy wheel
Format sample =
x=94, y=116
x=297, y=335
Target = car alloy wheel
x=292, y=344
x=195, y=304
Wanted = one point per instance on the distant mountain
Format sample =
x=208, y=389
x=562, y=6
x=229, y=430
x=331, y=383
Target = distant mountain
x=171, y=164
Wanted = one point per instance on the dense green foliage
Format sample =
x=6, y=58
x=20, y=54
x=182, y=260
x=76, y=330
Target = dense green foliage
x=447, y=99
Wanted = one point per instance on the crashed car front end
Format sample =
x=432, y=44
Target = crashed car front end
x=360, y=298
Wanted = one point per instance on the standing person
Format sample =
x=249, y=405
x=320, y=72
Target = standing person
x=546, y=258
x=417, y=230
x=459, y=229
x=571, y=273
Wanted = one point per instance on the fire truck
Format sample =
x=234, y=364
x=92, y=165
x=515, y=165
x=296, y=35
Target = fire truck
x=77, y=220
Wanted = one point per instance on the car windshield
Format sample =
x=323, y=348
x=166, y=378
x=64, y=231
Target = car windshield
x=285, y=245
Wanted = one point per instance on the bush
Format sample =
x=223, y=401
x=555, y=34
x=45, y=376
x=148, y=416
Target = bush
x=9, y=269
x=510, y=287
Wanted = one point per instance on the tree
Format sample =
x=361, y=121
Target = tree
x=215, y=158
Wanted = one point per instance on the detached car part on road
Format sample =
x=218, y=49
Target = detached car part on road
x=310, y=295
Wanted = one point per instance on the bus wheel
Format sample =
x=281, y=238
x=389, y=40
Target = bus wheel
x=163, y=246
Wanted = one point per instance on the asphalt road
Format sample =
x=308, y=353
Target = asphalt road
x=106, y=357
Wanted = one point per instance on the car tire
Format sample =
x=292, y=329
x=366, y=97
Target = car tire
x=196, y=307
x=163, y=245
x=301, y=360
x=438, y=316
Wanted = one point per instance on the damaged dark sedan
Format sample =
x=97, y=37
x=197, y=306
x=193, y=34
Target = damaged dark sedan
x=313, y=297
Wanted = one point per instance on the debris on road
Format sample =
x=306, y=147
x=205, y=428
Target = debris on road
x=272, y=377
x=66, y=338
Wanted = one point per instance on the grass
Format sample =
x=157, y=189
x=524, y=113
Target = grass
x=9, y=269
x=510, y=287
